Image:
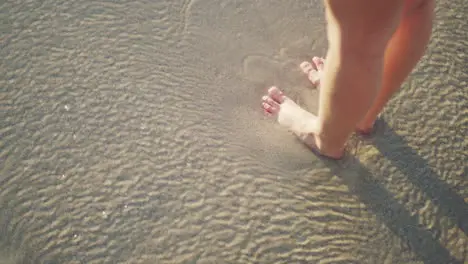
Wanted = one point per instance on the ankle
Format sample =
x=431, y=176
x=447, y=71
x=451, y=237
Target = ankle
x=329, y=147
x=365, y=126
x=329, y=142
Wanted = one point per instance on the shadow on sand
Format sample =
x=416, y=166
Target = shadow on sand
x=393, y=214
x=420, y=174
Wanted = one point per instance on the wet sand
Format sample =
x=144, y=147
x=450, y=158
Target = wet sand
x=131, y=132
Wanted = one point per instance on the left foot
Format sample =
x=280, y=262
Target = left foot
x=302, y=123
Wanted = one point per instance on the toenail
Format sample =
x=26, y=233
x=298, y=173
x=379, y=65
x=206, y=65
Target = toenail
x=270, y=101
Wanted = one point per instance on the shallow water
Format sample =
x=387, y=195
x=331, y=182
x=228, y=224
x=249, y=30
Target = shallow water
x=131, y=133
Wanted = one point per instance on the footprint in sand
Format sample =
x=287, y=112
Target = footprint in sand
x=261, y=69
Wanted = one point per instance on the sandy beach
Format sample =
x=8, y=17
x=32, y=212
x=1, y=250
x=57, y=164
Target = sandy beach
x=132, y=132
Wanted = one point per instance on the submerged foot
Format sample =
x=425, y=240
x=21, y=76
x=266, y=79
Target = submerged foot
x=314, y=72
x=302, y=123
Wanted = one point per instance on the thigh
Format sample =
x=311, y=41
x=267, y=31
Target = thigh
x=362, y=26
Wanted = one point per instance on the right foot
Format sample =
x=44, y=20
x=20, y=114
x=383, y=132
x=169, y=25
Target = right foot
x=302, y=123
x=314, y=73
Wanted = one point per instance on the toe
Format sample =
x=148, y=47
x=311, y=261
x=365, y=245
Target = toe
x=306, y=67
x=270, y=101
x=276, y=95
x=270, y=108
x=319, y=63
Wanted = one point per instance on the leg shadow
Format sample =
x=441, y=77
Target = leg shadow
x=389, y=211
x=418, y=171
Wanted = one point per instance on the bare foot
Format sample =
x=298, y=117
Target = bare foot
x=302, y=123
x=314, y=72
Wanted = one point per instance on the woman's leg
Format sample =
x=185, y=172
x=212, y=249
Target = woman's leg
x=352, y=76
x=403, y=52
